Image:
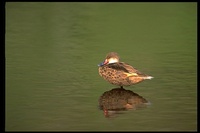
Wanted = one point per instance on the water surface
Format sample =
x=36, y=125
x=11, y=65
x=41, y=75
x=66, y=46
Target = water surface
x=52, y=51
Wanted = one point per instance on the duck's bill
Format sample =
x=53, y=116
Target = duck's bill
x=101, y=64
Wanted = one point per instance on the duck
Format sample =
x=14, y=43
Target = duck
x=120, y=73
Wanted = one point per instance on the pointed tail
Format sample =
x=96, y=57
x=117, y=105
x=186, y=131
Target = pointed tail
x=148, y=77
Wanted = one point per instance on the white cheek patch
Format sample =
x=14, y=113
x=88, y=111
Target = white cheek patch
x=113, y=60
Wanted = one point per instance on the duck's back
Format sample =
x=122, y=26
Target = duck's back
x=121, y=74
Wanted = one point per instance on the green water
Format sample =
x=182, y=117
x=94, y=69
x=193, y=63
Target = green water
x=52, y=51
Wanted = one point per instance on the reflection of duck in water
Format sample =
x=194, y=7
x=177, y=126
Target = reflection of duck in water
x=119, y=99
x=120, y=73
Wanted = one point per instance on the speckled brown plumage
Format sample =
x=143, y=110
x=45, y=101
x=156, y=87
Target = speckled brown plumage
x=120, y=73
